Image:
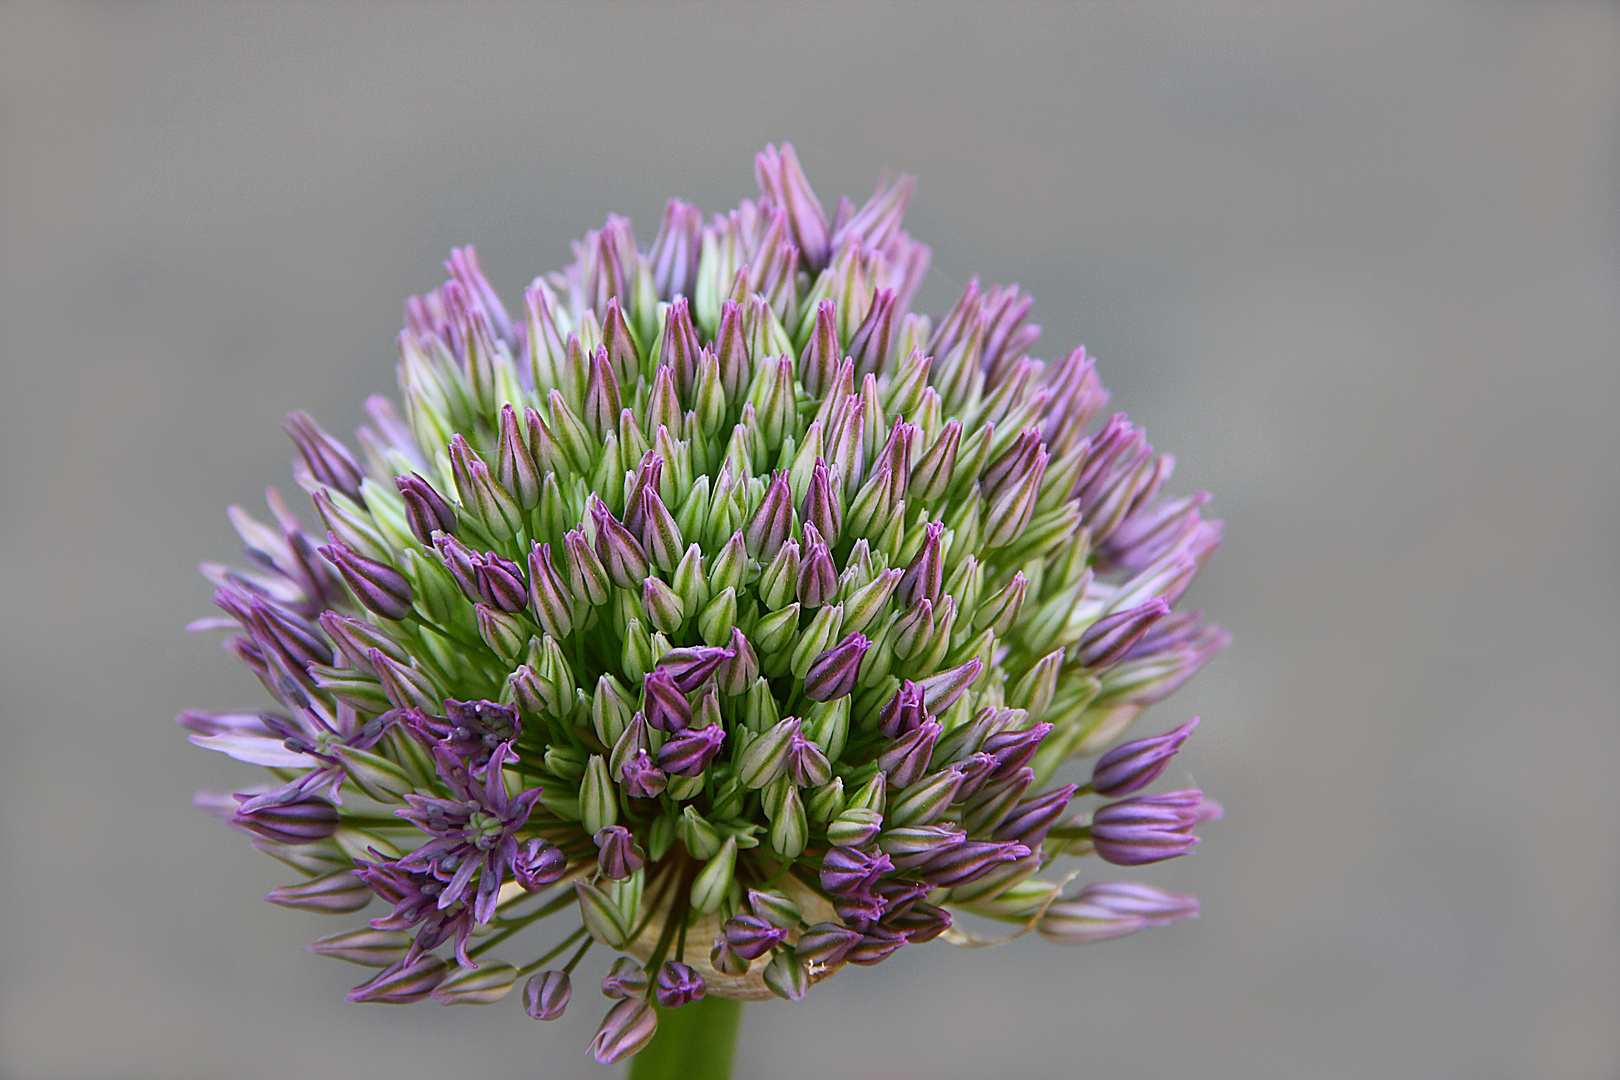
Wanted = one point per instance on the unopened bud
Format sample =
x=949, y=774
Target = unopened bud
x=546, y=995
x=483, y=985
x=628, y=1027
x=1129, y=768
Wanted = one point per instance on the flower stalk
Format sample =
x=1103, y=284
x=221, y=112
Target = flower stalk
x=694, y=1042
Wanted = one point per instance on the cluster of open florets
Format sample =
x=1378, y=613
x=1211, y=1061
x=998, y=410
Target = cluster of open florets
x=725, y=602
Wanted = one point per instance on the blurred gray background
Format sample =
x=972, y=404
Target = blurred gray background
x=1356, y=265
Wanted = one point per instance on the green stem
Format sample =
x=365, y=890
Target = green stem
x=694, y=1042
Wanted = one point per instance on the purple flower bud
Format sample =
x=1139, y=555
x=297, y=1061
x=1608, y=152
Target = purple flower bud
x=689, y=667
x=621, y=553
x=426, y=511
x=724, y=959
x=1082, y=922
x=462, y=562
x=818, y=578
x=807, y=764
x=1133, y=766
x=681, y=346
x=539, y=863
x=1154, y=906
x=833, y=673
x=912, y=846
x=920, y=923
x=587, y=578
x=877, y=944
x=823, y=504
x=995, y=800
x=625, y=979
x=968, y=861
x=402, y=982
x=976, y=770
x=329, y=461
x=366, y=947
x=627, y=1028
x=335, y=893
x=925, y=577
x=776, y=908
x=767, y=530
x=619, y=855
x=1014, y=749
x=642, y=779
x=782, y=181
x=906, y=759
x=500, y=584
x=302, y=822
x=1147, y=829
x=546, y=995
x=549, y=597
x=378, y=586
x=1029, y=821
x=941, y=691
x=751, y=937
x=665, y=707
x=688, y=752
x=904, y=712
x=869, y=347
x=738, y=672
x=515, y=467
x=826, y=943
x=847, y=870
x=1111, y=637
x=678, y=984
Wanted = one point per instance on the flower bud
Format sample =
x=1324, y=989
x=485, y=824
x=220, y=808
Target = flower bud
x=738, y=671
x=662, y=607
x=1110, y=637
x=621, y=553
x=850, y=870
x=483, y=985
x=402, y=983
x=1014, y=749
x=302, y=822
x=877, y=944
x=625, y=979
x=789, y=828
x=335, y=893
x=618, y=855
x=925, y=576
x=367, y=947
x=678, y=984
x=715, y=879
x=1146, y=829
x=378, y=586
x=426, y=511
x=941, y=691
x=787, y=976
x=1029, y=821
x=768, y=528
x=689, y=668
x=766, y=758
x=833, y=673
x=664, y=704
x=628, y=1027
x=598, y=798
x=969, y=860
x=328, y=460
x=688, y=752
x=601, y=915
x=926, y=801
x=906, y=759
x=587, y=578
x=549, y=597
x=854, y=827
x=826, y=943
x=724, y=959
x=546, y=995
x=539, y=863
x=1134, y=765
x=642, y=779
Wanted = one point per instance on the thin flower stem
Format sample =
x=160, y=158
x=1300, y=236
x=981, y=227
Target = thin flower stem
x=536, y=965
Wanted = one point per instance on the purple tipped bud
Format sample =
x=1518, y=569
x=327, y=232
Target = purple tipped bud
x=906, y=759
x=925, y=577
x=679, y=984
x=724, y=959
x=549, y=597
x=618, y=855
x=739, y=671
x=905, y=711
x=913, y=846
x=767, y=530
x=366, y=947
x=500, y=584
x=849, y=870
x=968, y=861
x=302, y=822
x=642, y=779
x=807, y=764
x=823, y=503
x=1029, y=821
x=546, y=995
x=625, y=979
x=666, y=708
x=688, y=752
x=620, y=552
x=329, y=461
x=826, y=943
x=1111, y=637
x=920, y=922
x=1014, y=749
x=689, y=667
x=587, y=577
x=941, y=691
x=869, y=347
x=425, y=509
x=1147, y=829
x=976, y=770
x=627, y=1028
x=538, y=864
x=752, y=937
x=783, y=183
x=787, y=976
x=402, y=982
x=818, y=577
x=1133, y=766
x=833, y=673
x=378, y=586
x=335, y=893
x=877, y=944
x=681, y=347
x=1155, y=906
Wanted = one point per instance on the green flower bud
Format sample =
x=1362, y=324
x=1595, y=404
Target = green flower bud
x=854, y=827
x=787, y=976
x=789, y=829
x=598, y=796
x=926, y=801
x=826, y=802
x=603, y=920
x=716, y=878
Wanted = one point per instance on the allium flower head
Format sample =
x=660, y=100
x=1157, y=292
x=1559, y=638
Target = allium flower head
x=716, y=603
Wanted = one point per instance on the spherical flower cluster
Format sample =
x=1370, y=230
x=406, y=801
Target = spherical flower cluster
x=725, y=604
